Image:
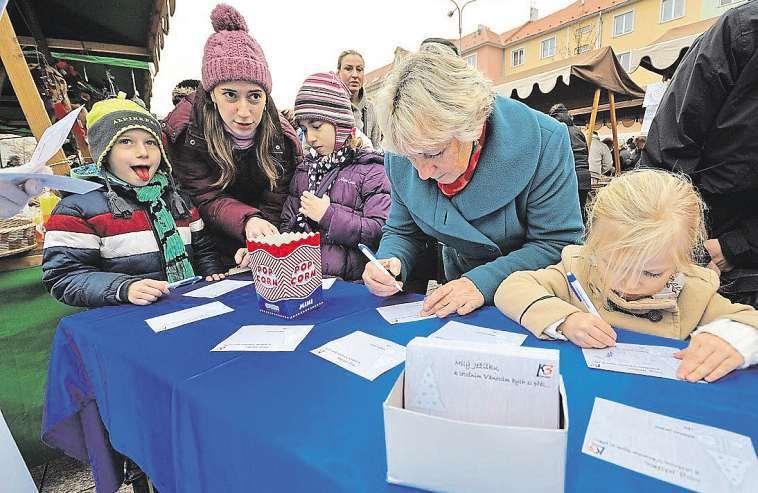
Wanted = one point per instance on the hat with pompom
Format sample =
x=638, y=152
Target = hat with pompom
x=231, y=53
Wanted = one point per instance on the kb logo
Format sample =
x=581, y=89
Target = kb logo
x=545, y=370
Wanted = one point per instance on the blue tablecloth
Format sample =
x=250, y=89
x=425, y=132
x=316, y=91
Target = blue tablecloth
x=200, y=421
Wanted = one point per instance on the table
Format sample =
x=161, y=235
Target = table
x=200, y=421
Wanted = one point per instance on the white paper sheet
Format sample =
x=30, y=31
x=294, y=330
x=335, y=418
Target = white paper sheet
x=457, y=331
x=216, y=289
x=265, y=338
x=327, y=282
x=362, y=354
x=640, y=359
x=57, y=182
x=402, y=313
x=186, y=316
x=690, y=455
x=53, y=138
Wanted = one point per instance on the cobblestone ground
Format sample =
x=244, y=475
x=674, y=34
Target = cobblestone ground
x=66, y=475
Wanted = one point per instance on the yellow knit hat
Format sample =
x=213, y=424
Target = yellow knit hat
x=112, y=117
x=119, y=103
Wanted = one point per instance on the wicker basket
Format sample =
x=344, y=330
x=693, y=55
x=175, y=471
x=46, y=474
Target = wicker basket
x=16, y=236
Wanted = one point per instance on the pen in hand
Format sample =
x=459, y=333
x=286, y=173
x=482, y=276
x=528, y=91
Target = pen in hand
x=369, y=255
x=184, y=282
x=581, y=294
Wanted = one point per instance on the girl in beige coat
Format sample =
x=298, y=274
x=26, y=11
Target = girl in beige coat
x=637, y=266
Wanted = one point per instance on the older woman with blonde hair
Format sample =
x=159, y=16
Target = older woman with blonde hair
x=488, y=177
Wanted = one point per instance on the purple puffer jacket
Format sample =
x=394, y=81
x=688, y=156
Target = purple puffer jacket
x=360, y=203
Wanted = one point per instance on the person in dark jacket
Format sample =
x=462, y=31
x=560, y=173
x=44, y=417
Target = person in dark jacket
x=230, y=149
x=579, y=149
x=124, y=242
x=340, y=189
x=705, y=127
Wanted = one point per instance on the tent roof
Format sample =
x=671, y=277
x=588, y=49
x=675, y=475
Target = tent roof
x=133, y=28
x=120, y=36
x=572, y=81
x=663, y=55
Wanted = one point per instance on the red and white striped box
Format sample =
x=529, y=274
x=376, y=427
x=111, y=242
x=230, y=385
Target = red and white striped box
x=287, y=273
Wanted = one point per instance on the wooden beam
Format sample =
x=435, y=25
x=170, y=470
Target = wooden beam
x=616, y=159
x=593, y=115
x=26, y=91
x=90, y=47
x=605, y=107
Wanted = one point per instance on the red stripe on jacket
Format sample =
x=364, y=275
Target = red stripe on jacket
x=74, y=224
x=105, y=225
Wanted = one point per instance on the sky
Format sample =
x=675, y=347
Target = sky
x=302, y=37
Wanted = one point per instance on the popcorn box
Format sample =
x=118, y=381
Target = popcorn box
x=287, y=273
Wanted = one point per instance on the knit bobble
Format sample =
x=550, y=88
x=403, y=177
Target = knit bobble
x=227, y=18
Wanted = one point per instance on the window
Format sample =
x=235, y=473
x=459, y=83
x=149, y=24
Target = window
x=583, y=30
x=671, y=9
x=623, y=23
x=583, y=49
x=547, y=47
x=471, y=60
x=624, y=59
x=517, y=57
x=725, y=2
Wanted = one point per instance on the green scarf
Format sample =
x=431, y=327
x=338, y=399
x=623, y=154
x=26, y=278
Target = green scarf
x=178, y=265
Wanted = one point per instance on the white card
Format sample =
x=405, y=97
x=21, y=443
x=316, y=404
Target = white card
x=499, y=384
x=363, y=354
x=457, y=331
x=216, y=289
x=265, y=338
x=189, y=315
x=327, y=282
x=690, y=455
x=402, y=313
x=654, y=361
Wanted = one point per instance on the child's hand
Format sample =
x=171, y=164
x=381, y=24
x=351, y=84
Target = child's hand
x=707, y=357
x=588, y=331
x=146, y=291
x=242, y=257
x=215, y=277
x=314, y=207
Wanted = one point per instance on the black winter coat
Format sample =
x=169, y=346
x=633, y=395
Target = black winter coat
x=706, y=127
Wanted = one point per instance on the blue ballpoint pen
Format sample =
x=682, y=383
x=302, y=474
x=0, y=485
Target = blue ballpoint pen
x=370, y=255
x=581, y=294
x=184, y=282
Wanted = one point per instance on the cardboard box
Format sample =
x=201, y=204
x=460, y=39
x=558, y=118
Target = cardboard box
x=442, y=454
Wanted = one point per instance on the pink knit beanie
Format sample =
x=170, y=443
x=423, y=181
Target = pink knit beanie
x=231, y=53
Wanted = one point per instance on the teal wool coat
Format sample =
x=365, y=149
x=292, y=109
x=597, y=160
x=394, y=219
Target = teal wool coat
x=519, y=210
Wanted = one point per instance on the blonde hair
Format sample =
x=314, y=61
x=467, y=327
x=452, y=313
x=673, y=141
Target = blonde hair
x=430, y=98
x=346, y=53
x=221, y=148
x=642, y=215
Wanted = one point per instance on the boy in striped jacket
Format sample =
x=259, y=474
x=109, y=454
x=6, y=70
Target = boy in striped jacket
x=125, y=242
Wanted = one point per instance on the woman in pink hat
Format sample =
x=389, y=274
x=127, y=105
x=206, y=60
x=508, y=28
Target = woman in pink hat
x=230, y=149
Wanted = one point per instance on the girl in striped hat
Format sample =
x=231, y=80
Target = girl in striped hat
x=340, y=189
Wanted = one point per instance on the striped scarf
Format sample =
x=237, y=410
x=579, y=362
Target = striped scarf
x=318, y=167
x=178, y=265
